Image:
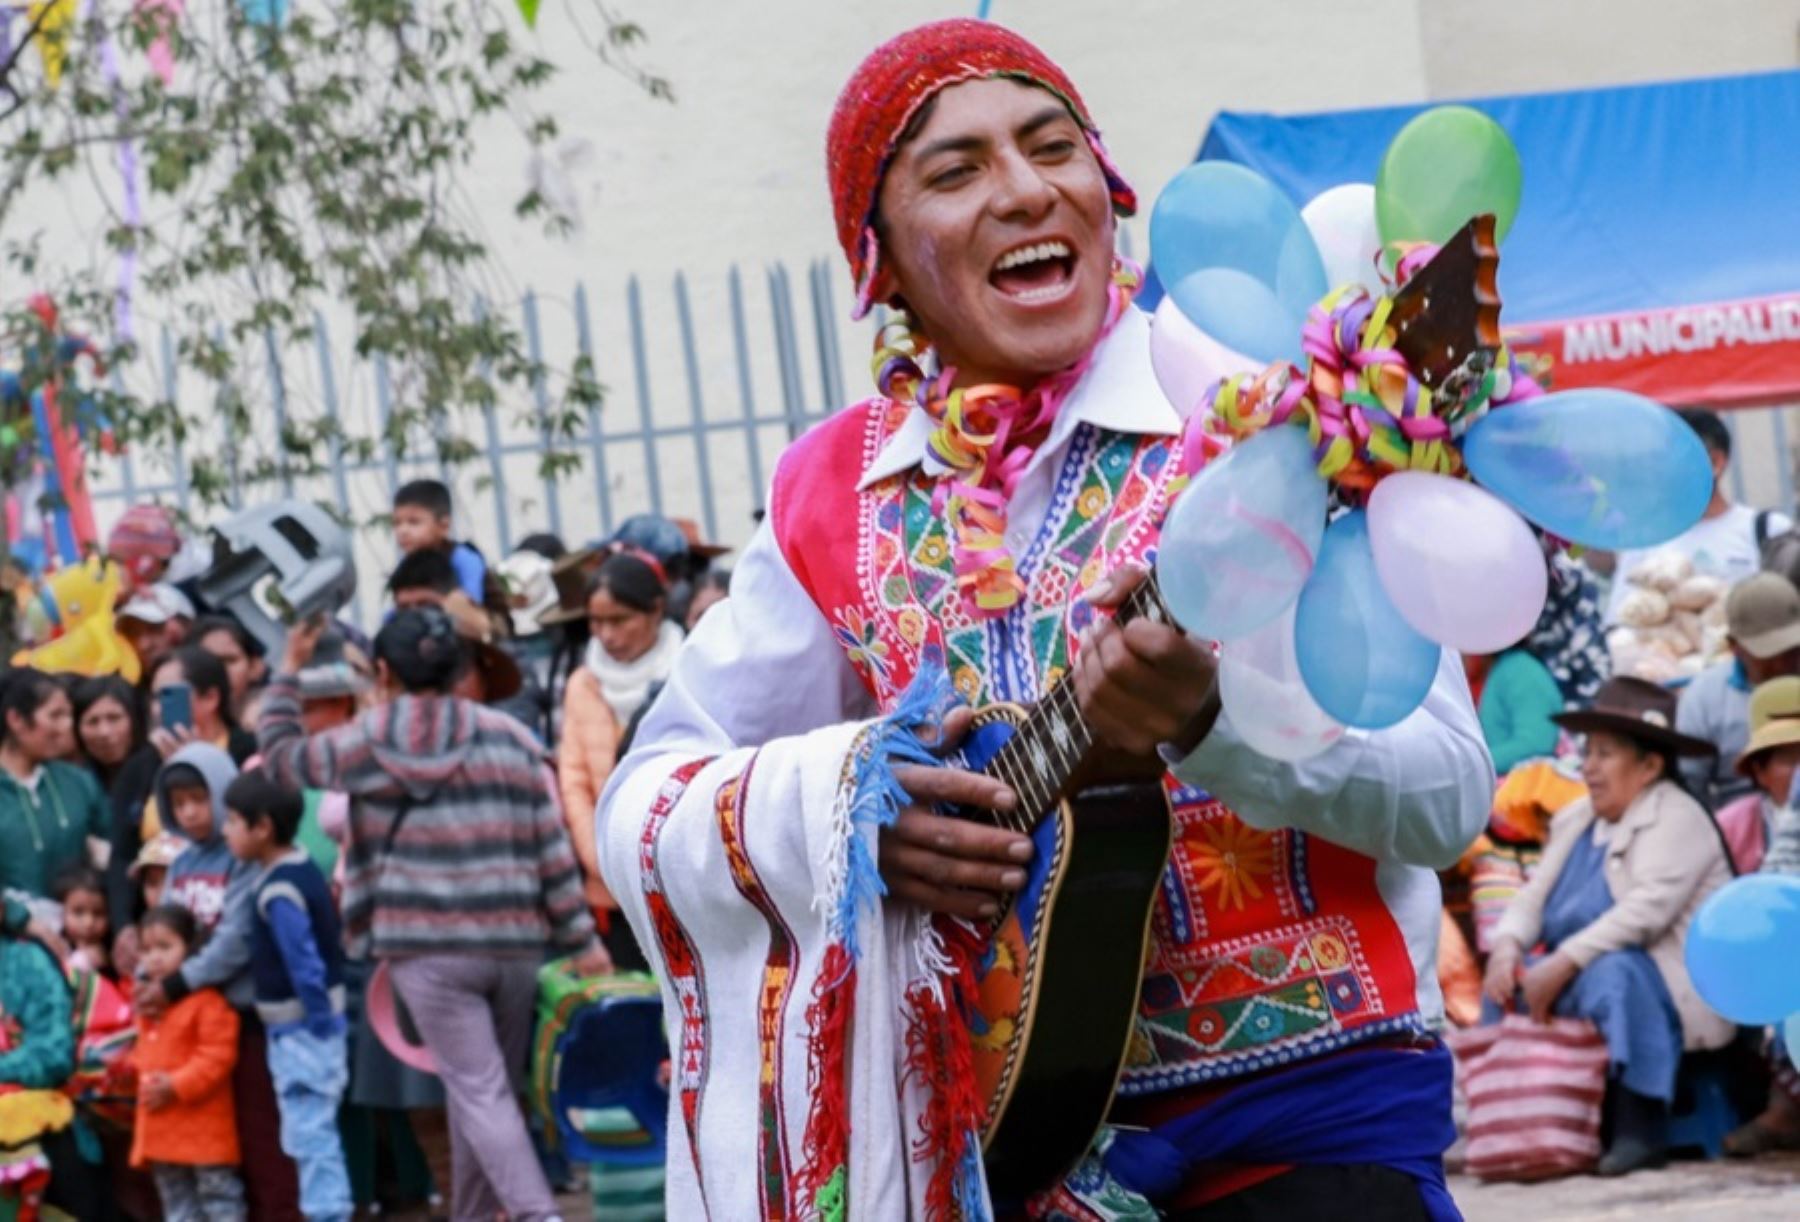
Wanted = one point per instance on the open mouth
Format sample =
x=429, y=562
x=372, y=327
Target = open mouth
x=1035, y=274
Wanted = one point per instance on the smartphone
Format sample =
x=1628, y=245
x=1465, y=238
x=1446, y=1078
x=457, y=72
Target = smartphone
x=175, y=706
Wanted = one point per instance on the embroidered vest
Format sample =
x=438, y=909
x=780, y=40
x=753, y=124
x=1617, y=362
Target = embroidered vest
x=1267, y=947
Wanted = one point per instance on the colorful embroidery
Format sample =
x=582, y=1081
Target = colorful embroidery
x=1224, y=991
x=779, y=969
x=681, y=963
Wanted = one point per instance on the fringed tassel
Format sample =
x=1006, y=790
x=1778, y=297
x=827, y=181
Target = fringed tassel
x=870, y=798
x=939, y=1054
x=825, y=1148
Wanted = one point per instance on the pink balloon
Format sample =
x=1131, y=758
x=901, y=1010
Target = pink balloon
x=1458, y=563
x=1265, y=698
x=1187, y=360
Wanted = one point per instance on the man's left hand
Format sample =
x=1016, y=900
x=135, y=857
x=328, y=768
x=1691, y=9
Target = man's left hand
x=1147, y=683
x=302, y=640
x=149, y=999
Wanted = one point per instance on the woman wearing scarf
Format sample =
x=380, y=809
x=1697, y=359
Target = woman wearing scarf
x=773, y=837
x=1622, y=875
x=630, y=650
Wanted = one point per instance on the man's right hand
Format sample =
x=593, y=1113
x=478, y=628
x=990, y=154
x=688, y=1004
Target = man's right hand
x=958, y=866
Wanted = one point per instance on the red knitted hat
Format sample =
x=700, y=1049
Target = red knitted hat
x=888, y=89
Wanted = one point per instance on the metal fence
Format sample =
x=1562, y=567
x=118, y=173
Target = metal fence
x=705, y=386
x=703, y=390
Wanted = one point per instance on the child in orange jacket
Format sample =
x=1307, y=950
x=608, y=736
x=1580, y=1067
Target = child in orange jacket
x=186, y=1125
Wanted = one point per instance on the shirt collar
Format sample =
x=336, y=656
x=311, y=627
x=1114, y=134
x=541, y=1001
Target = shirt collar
x=1119, y=392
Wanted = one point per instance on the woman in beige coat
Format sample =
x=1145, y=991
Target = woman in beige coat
x=1623, y=872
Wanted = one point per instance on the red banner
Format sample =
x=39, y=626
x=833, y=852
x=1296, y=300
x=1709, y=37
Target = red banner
x=1732, y=354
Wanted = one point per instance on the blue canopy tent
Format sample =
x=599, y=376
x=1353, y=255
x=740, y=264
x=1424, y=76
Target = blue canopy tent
x=1656, y=247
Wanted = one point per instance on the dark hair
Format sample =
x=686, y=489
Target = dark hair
x=182, y=775
x=177, y=920
x=206, y=625
x=90, y=692
x=24, y=690
x=421, y=648
x=76, y=878
x=204, y=673
x=426, y=569
x=258, y=798
x=1709, y=428
x=631, y=581
x=713, y=579
x=431, y=495
x=545, y=544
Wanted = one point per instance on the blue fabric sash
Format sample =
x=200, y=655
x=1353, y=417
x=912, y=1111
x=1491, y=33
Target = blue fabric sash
x=1383, y=1106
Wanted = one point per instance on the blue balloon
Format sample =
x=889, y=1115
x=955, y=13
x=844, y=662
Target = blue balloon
x=1237, y=258
x=1602, y=468
x=1790, y=1038
x=1239, y=543
x=1364, y=664
x=1741, y=949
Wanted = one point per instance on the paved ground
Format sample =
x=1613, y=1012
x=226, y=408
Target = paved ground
x=1766, y=1190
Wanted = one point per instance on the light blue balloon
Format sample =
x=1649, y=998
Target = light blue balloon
x=1237, y=258
x=1741, y=949
x=1602, y=468
x=1790, y=1036
x=1364, y=665
x=1240, y=542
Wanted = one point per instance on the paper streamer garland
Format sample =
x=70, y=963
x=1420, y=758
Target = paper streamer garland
x=1433, y=562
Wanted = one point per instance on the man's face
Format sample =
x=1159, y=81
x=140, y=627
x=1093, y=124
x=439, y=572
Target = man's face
x=418, y=598
x=193, y=812
x=245, y=842
x=1761, y=670
x=326, y=713
x=240, y=667
x=416, y=527
x=84, y=918
x=151, y=642
x=160, y=951
x=997, y=230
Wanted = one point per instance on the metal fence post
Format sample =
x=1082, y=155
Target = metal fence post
x=541, y=393
x=746, y=392
x=634, y=310
x=584, y=337
x=696, y=406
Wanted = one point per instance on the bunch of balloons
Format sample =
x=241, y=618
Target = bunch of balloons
x=1345, y=521
x=1740, y=954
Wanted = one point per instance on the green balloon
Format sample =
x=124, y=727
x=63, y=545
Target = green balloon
x=1447, y=165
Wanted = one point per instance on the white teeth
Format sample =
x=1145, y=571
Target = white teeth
x=1032, y=254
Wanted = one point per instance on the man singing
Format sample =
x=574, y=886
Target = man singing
x=777, y=837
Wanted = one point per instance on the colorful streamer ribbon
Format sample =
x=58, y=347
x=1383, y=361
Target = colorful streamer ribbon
x=985, y=438
x=1365, y=413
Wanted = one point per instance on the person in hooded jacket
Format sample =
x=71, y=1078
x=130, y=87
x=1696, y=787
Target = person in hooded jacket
x=221, y=893
x=458, y=873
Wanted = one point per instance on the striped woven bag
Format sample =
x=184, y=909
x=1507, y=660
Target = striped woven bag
x=1534, y=1092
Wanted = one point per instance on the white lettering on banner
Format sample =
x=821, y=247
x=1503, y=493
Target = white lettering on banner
x=1697, y=329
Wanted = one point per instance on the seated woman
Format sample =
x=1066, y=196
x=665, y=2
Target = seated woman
x=1622, y=875
x=1763, y=830
x=1769, y=763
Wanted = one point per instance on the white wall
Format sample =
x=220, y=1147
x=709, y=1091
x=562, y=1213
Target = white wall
x=733, y=172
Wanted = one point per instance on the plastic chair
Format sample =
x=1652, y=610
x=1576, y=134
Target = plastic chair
x=608, y=1061
x=1710, y=1114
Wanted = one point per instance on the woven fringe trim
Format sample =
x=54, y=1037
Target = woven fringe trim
x=869, y=797
x=939, y=1054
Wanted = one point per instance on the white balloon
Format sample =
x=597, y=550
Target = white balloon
x=1187, y=360
x=1342, y=221
x=1266, y=699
